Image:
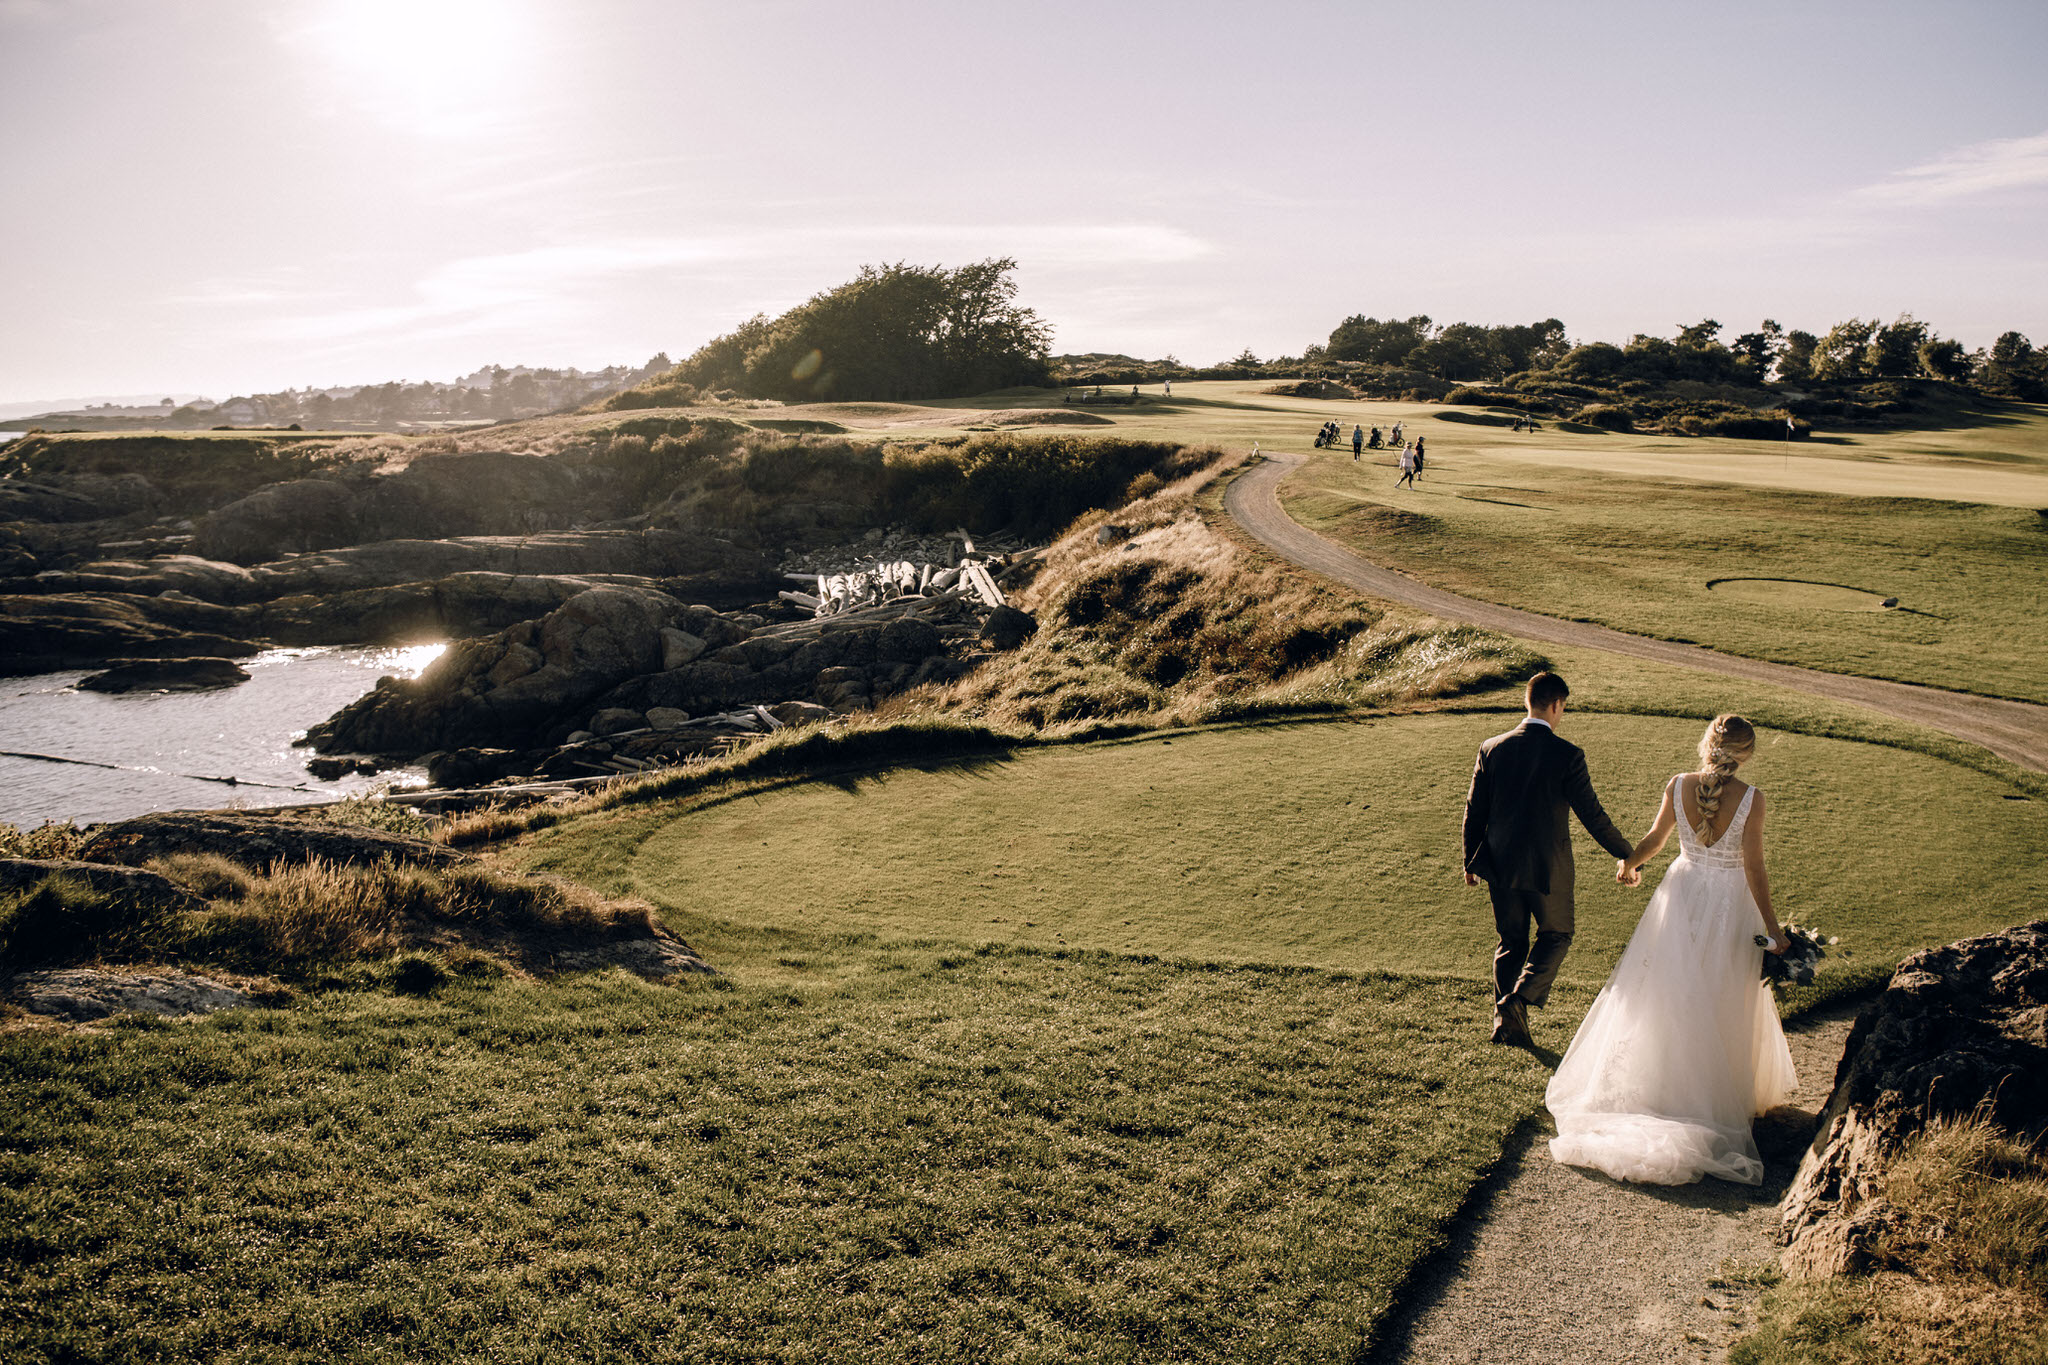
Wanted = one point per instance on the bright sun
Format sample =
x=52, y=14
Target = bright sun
x=447, y=68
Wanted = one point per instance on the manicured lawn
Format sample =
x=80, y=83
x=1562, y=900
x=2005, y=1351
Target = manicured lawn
x=1332, y=845
x=846, y=1151
x=1971, y=580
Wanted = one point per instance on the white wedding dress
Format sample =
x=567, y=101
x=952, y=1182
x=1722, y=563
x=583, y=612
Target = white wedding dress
x=1683, y=1045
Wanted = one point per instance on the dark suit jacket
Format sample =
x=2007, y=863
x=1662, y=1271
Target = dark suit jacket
x=1516, y=831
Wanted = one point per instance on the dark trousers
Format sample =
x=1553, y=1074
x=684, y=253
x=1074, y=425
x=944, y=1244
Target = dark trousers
x=1518, y=967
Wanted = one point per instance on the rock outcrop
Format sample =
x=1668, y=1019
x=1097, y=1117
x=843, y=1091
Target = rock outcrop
x=165, y=675
x=257, y=841
x=512, y=684
x=1960, y=1030
x=434, y=497
x=44, y=634
x=81, y=994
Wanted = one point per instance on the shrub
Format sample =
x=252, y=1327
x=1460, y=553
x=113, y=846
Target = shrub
x=1467, y=396
x=371, y=810
x=61, y=919
x=1606, y=416
x=47, y=840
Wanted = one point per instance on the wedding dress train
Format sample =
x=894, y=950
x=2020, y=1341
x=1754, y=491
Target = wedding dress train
x=1683, y=1045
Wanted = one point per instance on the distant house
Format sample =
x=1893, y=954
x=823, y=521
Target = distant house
x=240, y=410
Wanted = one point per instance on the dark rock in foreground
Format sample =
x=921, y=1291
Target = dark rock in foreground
x=1960, y=1030
x=257, y=841
x=165, y=675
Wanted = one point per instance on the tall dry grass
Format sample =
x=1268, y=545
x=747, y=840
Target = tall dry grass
x=1960, y=1271
x=296, y=918
x=1162, y=619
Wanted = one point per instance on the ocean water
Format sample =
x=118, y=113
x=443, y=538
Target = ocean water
x=170, y=750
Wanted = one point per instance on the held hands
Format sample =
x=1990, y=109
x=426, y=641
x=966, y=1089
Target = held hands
x=1626, y=875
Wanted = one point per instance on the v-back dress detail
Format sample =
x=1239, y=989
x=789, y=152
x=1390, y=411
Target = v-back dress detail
x=1683, y=1045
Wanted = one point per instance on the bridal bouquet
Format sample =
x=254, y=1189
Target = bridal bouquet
x=1794, y=966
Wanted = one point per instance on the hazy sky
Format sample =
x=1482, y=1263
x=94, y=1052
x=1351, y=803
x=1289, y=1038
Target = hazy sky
x=223, y=196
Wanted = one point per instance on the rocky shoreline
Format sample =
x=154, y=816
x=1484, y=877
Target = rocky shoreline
x=591, y=634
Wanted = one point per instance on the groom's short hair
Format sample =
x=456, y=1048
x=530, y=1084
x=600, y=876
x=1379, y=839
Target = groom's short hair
x=1546, y=689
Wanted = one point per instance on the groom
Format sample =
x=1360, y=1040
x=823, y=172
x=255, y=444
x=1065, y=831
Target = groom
x=1518, y=839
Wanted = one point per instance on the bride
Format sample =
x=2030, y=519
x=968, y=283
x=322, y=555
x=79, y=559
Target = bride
x=1683, y=1046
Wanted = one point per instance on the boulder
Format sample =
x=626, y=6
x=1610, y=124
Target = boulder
x=800, y=712
x=1006, y=628
x=667, y=718
x=1959, y=1030
x=616, y=720
x=679, y=647
x=702, y=686
x=475, y=493
x=472, y=767
x=908, y=641
x=82, y=994
x=165, y=675
x=256, y=841
x=21, y=500
x=506, y=688
x=281, y=519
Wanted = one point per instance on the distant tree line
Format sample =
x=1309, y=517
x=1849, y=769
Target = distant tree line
x=895, y=331
x=1849, y=352
x=494, y=393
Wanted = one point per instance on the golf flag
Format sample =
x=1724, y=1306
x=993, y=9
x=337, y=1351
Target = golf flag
x=1791, y=427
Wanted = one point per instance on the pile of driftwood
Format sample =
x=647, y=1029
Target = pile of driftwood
x=976, y=581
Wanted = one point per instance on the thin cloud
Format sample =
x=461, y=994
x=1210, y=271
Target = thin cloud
x=2010, y=163
x=479, y=292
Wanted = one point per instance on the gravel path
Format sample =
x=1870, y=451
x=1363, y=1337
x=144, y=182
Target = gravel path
x=1553, y=1264
x=2014, y=730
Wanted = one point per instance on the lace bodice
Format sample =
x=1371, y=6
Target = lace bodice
x=1725, y=851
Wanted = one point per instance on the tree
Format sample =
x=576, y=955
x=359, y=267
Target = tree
x=1596, y=362
x=1459, y=351
x=2014, y=367
x=1700, y=335
x=1843, y=354
x=1536, y=346
x=1795, y=362
x=1942, y=359
x=2011, y=351
x=1245, y=360
x=898, y=331
x=1375, y=342
x=1756, y=351
x=1894, y=350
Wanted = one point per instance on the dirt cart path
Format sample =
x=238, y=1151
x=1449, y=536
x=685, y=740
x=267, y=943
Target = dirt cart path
x=2014, y=730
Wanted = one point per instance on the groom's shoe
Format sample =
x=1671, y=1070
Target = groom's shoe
x=1511, y=1023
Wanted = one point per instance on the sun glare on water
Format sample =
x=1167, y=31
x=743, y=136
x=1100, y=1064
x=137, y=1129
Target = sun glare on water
x=446, y=68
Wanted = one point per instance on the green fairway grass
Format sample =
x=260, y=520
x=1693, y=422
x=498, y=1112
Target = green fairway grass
x=1999, y=458
x=847, y=1152
x=1333, y=845
x=1809, y=571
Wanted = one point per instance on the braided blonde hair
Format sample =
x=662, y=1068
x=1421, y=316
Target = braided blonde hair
x=1728, y=741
